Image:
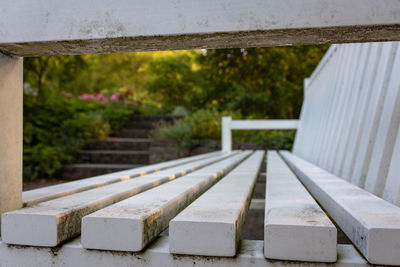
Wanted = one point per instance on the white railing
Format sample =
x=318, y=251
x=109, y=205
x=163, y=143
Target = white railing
x=228, y=125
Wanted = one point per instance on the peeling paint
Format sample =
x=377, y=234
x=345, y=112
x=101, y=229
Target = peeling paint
x=239, y=39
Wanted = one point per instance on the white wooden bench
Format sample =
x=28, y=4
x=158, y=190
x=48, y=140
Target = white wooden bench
x=345, y=155
x=204, y=199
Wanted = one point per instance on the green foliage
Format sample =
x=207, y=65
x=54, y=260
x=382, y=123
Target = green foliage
x=203, y=124
x=55, y=127
x=256, y=83
x=173, y=80
x=206, y=124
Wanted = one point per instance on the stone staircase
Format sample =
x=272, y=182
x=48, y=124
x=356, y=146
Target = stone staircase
x=127, y=148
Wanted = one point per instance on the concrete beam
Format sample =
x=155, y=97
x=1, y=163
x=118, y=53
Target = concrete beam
x=51, y=222
x=11, y=94
x=46, y=27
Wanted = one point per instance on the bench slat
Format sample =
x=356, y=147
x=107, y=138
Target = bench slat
x=336, y=86
x=386, y=134
x=324, y=85
x=371, y=223
x=295, y=226
x=36, y=196
x=372, y=116
x=52, y=222
x=361, y=109
x=392, y=187
x=347, y=120
x=131, y=224
x=211, y=225
x=250, y=254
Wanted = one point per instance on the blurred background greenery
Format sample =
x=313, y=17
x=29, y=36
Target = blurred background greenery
x=70, y=100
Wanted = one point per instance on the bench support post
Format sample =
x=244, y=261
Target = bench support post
x=11, y=95
x=226, y=134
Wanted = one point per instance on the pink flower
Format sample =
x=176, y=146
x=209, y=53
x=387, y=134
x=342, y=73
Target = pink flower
x=86, y=96
x=68, y=95
x=100, y=96
x=115, y=97
x=105, y=100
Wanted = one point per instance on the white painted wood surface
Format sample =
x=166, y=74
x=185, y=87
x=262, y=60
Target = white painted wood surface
x=372, y=224
x=51, y=222
x=10, y=133
x=36, y=196
x=264, y=124
x=73, y=26
x=131, y=224
x=228, y=125
x=351, y=115
x=392, y=188
x=226, y=134
x=347, y=126
x=295, y=227
x=387, y=131
x=73, y=254
x=212, y=224
x=360, y=119
x=373, y=115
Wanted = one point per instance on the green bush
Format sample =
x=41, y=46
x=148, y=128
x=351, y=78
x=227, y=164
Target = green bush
x=202, y=124
x=206, y=124
x=55, y=127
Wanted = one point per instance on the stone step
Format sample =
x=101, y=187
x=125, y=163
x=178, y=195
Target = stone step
x=115, y=143
x=83, y=170
x=142, y=124
x=133, y=133
x=115, y=156
x=154, y=118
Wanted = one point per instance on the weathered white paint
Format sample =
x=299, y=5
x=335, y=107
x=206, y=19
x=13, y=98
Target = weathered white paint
x=264, y=124
x=131, y=224
x=10, y=133
x=338, y=112
x=73, y=26
x=372, y=224
x=386, y=133
x=295, y=226
x=373, y=114
x=36, y=196
x=211, y=225
x=331, y=83
x=73, y=254
x=226, y=134
x=392, y=187
x=361, y=111
x=51, y=222
x=347, y=125
x=228, y=125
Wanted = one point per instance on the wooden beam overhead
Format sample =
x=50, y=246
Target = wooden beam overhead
x=47, y=27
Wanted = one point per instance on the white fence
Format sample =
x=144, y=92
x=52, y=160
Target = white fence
x=228, y=125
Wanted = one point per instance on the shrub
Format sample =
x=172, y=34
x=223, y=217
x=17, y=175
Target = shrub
x=56, y=126
x=206, y=124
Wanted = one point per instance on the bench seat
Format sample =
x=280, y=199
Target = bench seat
x=250, y=253
x=188, y=178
